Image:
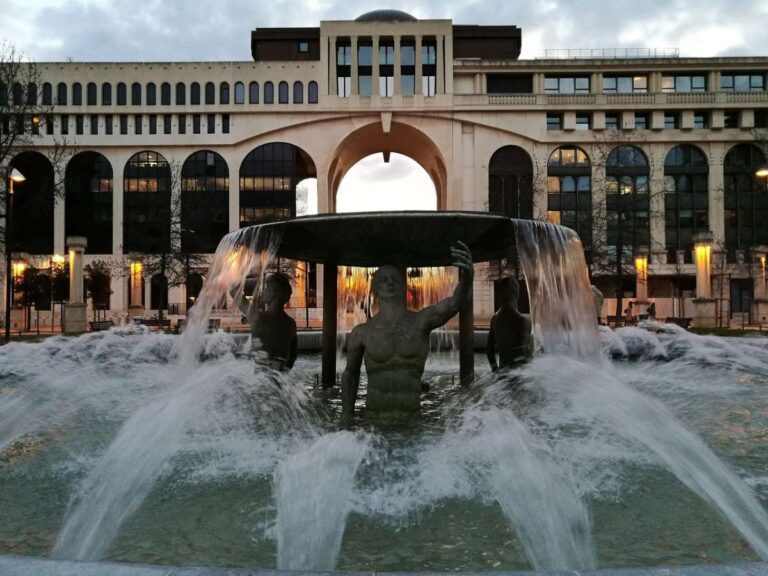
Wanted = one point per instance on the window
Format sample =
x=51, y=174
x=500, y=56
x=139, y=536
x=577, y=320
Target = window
x=32, y=94
x=745, y=200
x=684, y=83
x=153, y=123
x=136, y=94
x=761, y=119
x=210, y=123
x=194, y=94
x=303, y=47
x=253, y=93
x=3, y=94
x=364, y=70
x=106, y=94
x=700, y=119
x=566, y=85
x=298, y=93
x=109, y=122
x=224, y=93
x=146, y=203
x=343, y=68
x=204, y=201
x=742, y=82
x=167, y=123
x=123, y=124
x=64, y=124
x=138, y=124
x=151, y=94
x=210, y=93
x=91, y=94
x=510, y=183
x=312, y=92
x=641, y=121
x=625, y=84
x=61, y=94
x=93, y=121
x=671, y=120
x=165, y=94
x=408, y=66
x=386, y=68
x=731, y=118
x=611, y=121
x=36, y=125
x=182, y=123
x=77, y=94
x=627, y=202
x=686, y=198
x=554, y=121
x=79, y=124
x=88, y=201
x=225, y=123
x=195, y=123
x=49, y=125
x=282, y=93
x=47, y=94
x=122, y=94
x=269, y=93
x=181, y=94
x=569, y=190
x=239, y=93
x=583, y=121
x=428, y=66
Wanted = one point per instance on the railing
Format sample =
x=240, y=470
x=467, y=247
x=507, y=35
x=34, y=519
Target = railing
x=519, y=99
x=597, y=53
x=640, y=98
x=691, y=98
x=744, y=97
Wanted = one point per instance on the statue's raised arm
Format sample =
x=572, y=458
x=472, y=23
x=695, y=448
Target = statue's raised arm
x=437, y=315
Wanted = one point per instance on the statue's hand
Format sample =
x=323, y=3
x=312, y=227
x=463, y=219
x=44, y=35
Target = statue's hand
x=462, y=259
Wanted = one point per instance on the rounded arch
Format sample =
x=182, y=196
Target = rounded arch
x=745, y=200
x=510, y=183
x=204, y=201
x=33, y=203
x=239, y=93
x=685, y=156
x=146, y=203
x=686, y=192
x=194, y=93
x=135, y=94
x=269, y=175
x=298, y=92
x=88, y=200
x=402, y=139
x=627, y=202
x=151, y=94
x=253, y=93
x=181, y=94
x=626, y=157
x=569, y=190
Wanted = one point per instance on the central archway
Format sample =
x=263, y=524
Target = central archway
x=401, y=139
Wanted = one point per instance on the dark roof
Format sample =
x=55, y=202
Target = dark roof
x=385, y=16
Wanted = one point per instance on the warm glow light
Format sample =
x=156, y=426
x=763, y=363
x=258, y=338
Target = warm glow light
x=702, y=252
x=641, y=266
x=135, y=268
x=57, y=259
x=762, y=171
x=17, y=176
x=18, y=268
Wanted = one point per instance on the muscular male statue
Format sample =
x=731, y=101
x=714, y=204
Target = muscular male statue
x=395, y=342
x=273, y=332
x=511, y=334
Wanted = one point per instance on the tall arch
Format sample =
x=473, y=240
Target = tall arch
x=745, y=200
x=268, y=178
x=204, y=201
x=88, y=201
x=569, y=190
x=33, y=203
x=146, y=203
x=402, y=139
x=627, y=175
x=510, y=183
x=686, y=197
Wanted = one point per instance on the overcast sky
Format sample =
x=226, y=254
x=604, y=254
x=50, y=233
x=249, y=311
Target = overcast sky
x=123, y=30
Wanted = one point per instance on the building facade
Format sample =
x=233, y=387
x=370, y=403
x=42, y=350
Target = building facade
x=638, y=152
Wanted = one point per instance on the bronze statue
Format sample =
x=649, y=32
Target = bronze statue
x=395, y=342
x=511, y=333
x=273, y=332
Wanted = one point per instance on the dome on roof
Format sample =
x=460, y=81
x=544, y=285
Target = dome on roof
x=385, y=16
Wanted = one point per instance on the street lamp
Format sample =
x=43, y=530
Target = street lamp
x=762, y=171
x=15, y=177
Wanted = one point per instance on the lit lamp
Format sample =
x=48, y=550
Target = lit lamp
x=641, y=272
x=702, y=246
x=762, y=171
x=15, y=177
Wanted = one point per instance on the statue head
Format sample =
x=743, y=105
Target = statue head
x=509, y=291
x=277, y=289
x=388, y=283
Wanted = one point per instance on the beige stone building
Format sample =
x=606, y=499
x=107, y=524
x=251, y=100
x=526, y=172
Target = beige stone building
x=637, y=150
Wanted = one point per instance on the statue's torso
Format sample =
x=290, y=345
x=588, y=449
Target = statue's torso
x=514, y=340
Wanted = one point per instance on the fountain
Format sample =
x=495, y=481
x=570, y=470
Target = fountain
x=618, y=448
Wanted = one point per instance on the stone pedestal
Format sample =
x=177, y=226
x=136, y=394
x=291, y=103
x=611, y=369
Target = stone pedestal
x=760, y=311
x=75, y=318
x=704, y=313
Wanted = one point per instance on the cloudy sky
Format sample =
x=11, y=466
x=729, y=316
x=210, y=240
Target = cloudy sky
x=123, y=30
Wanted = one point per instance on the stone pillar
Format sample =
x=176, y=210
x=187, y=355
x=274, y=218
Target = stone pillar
x=760, y=300
x=656, y=202
x=716, y=193
x=353, y=72
x=467, y=341
x=419, y=63
x=333, y=88
x=136, y=308
x=440, y=67
x=117, y=205
x=329, y=325
x=59, y=219
x=398, y=89
x=704, y=305
x=75, y=318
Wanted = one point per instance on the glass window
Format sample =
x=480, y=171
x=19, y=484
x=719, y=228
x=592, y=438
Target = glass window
x=687, y=196
x=77, y=94
x=282, y=93
x=93, y=123
x=153, y=123
x=744, y=199
x=138, y=123
x=312, y=92
x=611, y=121
x=151, y=94
x=210, y=93
x=742, y=82
x=165, y=94
x=239, y=93
x=109, y=123
x=211, y=123
x=123, y=124
x=194, y=94
x=122, y=94
x=566, y=85
x=554, y=121
x=225, y=123
x=253, y=93
x=684, y=83
x=298, y=93
x=510, y=183
x=79, y=124
x=583, y=121
x=671, y=120
x=641, y=121
x=47, y=94
x=64, y=124
x=182, y=123
x=106, y=94
x=204, y=201
x=91, y=94
x=146, y=203
x=61, y=94
x=181, y=94
x=700, y=119
x=136, y=94
x=196, y=123
x=224, y=93
x=167, y=123
x=569, y=190
x=269, y=93
x=303, y=47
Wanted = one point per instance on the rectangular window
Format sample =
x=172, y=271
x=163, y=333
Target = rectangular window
x=225, y=123
x=731, y=119
x=94, y=124
x=36, y=125
x=137, y=123
x=303, y=47
x=49, y=125
x=428, y=66
x=108, y=124
x=611, y=121
x=211, y=123
x=583, y=121
x=123, y=124
x=566, y=85
x=386, y=68
x=167, y=123
x=343, y=68
x=64, y=124
x=761, y=119
x=700, y=119
x=671, y=120
x=182, y=123
x=554, y=121
x=641, y=121
x=742, y=82
x=79, y=124
x=684, y=83
x=407, y=66
x=153, y=123
x=196, y=123
x=625, y=84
